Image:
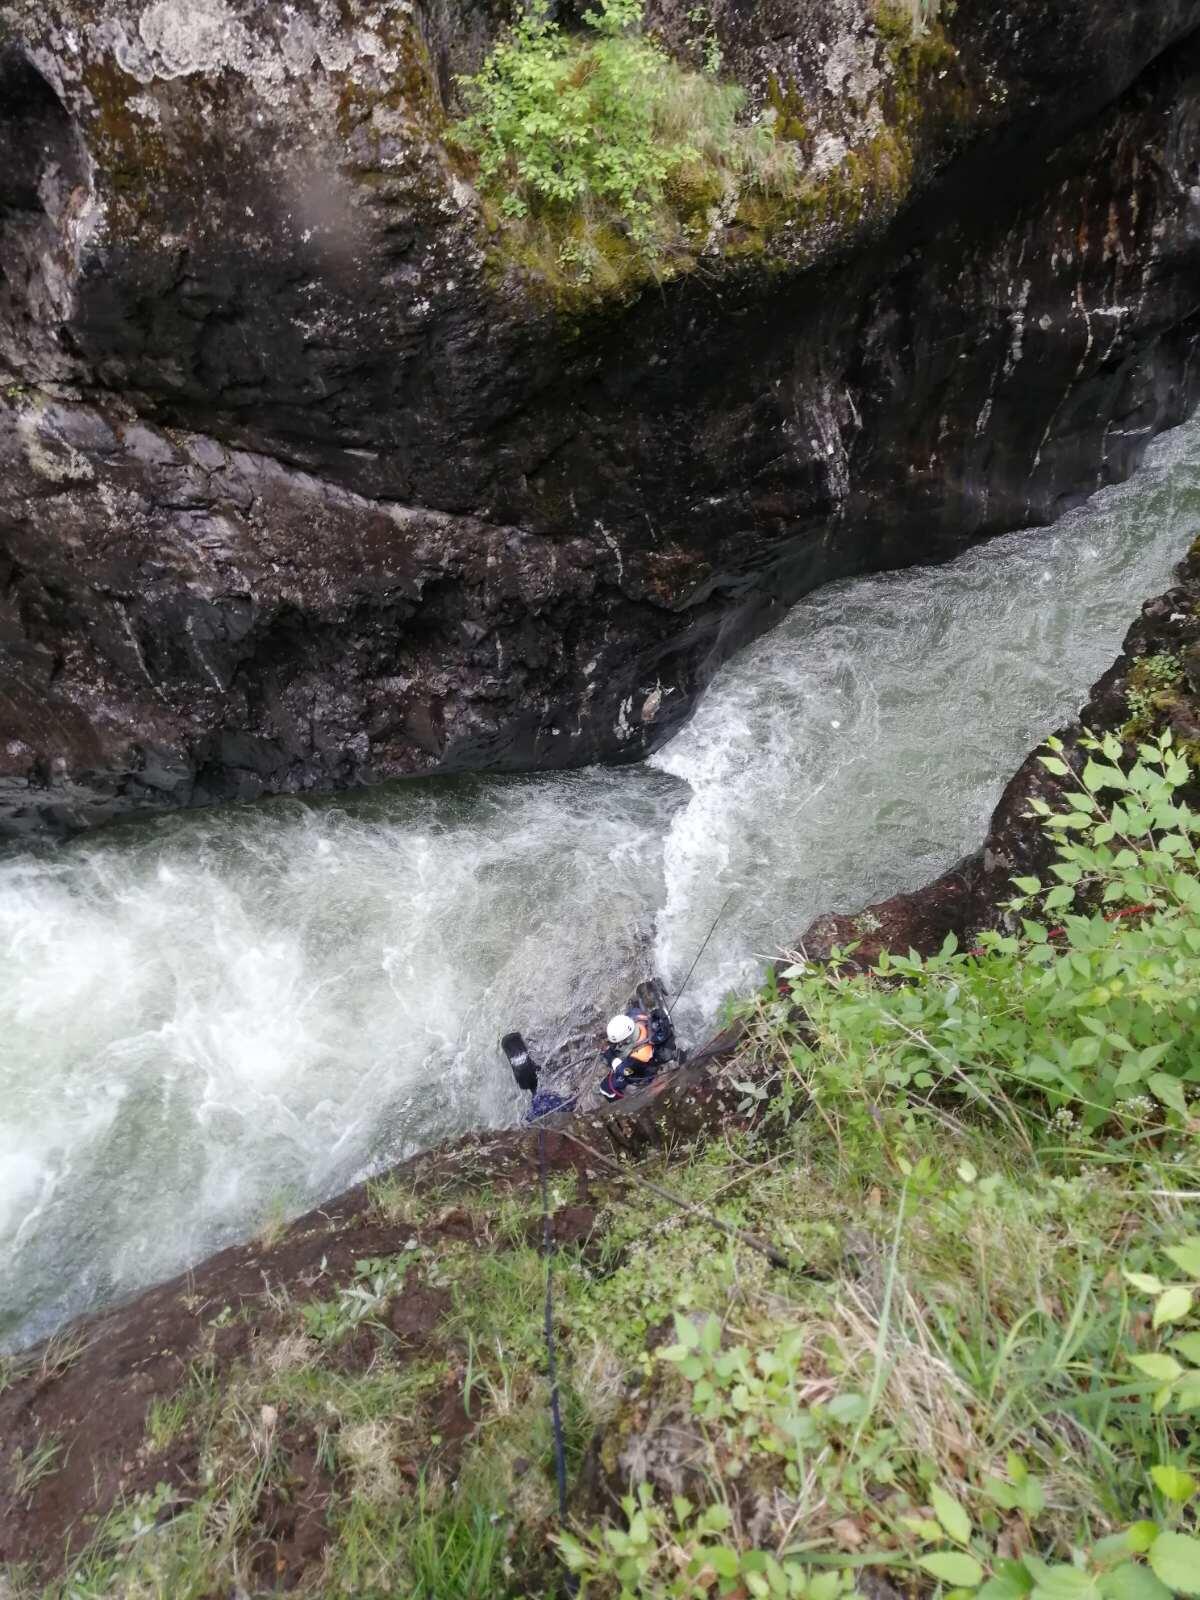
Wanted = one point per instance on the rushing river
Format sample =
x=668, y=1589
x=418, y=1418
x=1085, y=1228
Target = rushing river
x=210, y=1017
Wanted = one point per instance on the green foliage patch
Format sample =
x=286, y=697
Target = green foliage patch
x=1093, y=1001
x=595, y=147
x=1153, y=684
x=994, y=1417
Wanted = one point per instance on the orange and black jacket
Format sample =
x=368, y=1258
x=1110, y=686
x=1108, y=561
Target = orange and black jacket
x=637, y=1056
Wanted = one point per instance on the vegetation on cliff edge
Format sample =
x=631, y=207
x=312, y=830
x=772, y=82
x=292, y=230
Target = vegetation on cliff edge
x=598, y=151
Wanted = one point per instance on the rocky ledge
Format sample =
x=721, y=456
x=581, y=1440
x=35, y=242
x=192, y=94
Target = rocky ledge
x=305, y=484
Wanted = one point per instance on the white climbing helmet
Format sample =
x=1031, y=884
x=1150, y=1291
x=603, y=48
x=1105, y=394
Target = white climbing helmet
x=620, y=1028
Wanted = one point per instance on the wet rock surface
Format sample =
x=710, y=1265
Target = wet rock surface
x=303, y=488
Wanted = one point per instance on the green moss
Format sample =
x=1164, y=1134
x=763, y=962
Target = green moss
x=692, y=190
x=1154, y=690
x=893, y=22
x=573, y=260
x=928, y=86
x=790, y=112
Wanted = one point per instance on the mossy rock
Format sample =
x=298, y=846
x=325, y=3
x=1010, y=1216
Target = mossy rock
x=694, y=188
x=791, y=114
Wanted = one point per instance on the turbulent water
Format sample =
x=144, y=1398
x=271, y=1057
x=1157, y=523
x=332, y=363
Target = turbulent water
x=211, y=1018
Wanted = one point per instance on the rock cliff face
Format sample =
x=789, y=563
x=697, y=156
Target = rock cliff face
x=305, y=486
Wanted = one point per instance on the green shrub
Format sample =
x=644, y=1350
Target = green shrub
x=595, y=129
x=1093, y=1004
x=555, y=121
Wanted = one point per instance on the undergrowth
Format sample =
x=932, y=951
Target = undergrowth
x=598, y=153
x=977, y=1379
x=1000, y=1403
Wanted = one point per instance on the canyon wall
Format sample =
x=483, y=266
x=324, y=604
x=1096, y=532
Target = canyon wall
x=306, y=484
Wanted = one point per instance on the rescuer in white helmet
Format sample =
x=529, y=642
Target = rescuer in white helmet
x=639, y=1043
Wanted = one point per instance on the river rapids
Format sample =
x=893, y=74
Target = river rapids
x=211, y=1018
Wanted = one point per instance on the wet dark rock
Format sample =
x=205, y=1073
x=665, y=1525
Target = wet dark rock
x=301, y=489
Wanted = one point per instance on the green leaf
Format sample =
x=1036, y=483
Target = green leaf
x=1054, y=765
x=1139, y=1536
x=1033, y=1498
x=687, y=1333
x=1131, y=1072
x=1169, y=1091
x=1132, y=1582
x=1009, y=1582
x=846, y=1408
x=924, y=1528
x=1065, y=1583
x=951, y=1515
x=953, y=1567
x=1163, y=1369
x=1186, y=1257
x=1173, y=1483
x=1188, y=1344
x=1002, y=1493
x=1172, y=1305
x=723, y=1560
x=1145, y=1281
x=1175, y=1558
x=1108, y=1551
x=572, y=1552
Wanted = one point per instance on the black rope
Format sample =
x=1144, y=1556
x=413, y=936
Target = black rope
x=560, y=1445
x=700, y=952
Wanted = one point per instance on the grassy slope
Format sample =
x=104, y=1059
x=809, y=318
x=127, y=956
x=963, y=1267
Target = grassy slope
x=956, y=1298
